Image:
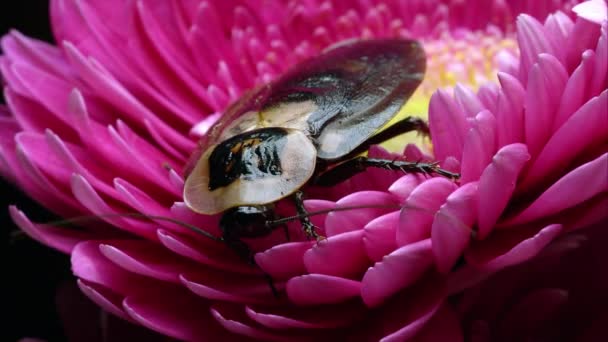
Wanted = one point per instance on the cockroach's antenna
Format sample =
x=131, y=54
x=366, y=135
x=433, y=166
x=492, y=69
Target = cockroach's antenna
x=85, y=218
x=287, y=219
x=452, y=218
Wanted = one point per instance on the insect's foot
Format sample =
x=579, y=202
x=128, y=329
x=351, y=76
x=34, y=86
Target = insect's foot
x=310, y=230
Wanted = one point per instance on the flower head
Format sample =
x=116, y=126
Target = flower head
x=105, y=122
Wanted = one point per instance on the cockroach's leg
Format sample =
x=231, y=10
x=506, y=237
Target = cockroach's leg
x=245, y=252
x=307, y=226
x=286, y=231
x=411, y=123
x=353, y=166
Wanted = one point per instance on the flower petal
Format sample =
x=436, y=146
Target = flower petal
x=479, y=147
x=176, y=314
x=594, y=10
x=344, y=221
x=379, y=236
x=568, y=192
x=106, y=299
x=510, y=115
x=497, y=184
x=285, y=260
x=316, y=289
x=417, y=214
x=448, y=126
x=395, y=272
x=452, y=227
x=585, y=128
x=321, y=317
x=230, y=287
x=61, y=239
x=505, y=250
x=341, y=255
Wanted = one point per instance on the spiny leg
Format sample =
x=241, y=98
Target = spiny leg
x=307, y=226
x=245, y=252
x=356, y=165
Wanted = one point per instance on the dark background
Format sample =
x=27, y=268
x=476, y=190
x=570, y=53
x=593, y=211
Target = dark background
x=32, y=273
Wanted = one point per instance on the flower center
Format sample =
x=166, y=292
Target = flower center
x=462, y=57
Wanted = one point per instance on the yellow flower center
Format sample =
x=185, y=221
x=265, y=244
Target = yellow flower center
x=470, y=60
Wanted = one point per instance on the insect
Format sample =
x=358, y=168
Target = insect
x=309, y=127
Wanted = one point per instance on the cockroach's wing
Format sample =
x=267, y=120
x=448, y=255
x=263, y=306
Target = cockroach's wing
x=361, y=86
x=339, y=98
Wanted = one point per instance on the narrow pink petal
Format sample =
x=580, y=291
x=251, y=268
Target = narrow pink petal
x=341, y=255
x=558, y=27
x=234, y=320
x=448, y=126
x=577, y=90
x=395, y=272
x=231, y=287
x=88, y=197
x=417, y=214
x=379, y=236
x=452, y=227
x=585, y=128
x=488, y=95
x=323, y=317
x=61, y=239
x=497, y=184
x=532, y=42
x=584, y=37
x=217, y=255
x=148, y=259
x=316, y=289
x=479, y=147
x=510, y=115
x=176, y=314
x=285, y=260
x=468, y=101
x=33, y=116
x=344, y=221
x=568, y=192
x=45, y=56
x=595, y=11
x=546, y=82
x=511, y=249
x=106, y=299
x=89, y=264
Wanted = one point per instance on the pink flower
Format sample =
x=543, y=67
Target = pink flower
x=105, y=122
